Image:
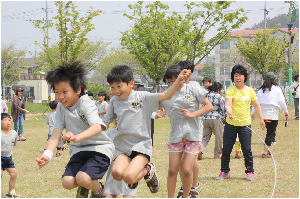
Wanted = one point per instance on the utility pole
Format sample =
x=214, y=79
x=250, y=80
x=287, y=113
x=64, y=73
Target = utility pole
x=265, y=15
x=290, y=53
x=47, y=22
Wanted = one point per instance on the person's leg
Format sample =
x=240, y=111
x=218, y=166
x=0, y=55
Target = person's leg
x=119, y=166
x=13, y=178
x=218, y=129
x=21, y=124
x=207, y=132
x=110, y=196
x=195, y=173
x=128, y=196
x=188, y=165
x=69, y=182
x=174, y=163
x=16, y=125
x=229, y=138
x=296, y=102
x=245, y=135
x=271, y=133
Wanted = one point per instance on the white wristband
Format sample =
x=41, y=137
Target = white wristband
x=49, y=154
x=153, y=115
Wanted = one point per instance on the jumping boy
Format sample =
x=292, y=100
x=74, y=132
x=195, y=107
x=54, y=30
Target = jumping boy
x=91, y=150
x=183, y=110
x=8, y=140
x=50, y=121
x=133, y=141
x=102, y=105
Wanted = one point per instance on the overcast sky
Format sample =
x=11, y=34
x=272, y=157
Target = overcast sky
x=17, y=28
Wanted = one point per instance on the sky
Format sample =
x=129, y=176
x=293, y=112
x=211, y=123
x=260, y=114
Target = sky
x=16, y=16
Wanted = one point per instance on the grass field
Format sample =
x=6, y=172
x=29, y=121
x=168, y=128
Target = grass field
x=46, y=183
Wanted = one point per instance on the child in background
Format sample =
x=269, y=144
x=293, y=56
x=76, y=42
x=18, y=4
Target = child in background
x=133, y=142
x=50, y=121
x=107, y=99
x=102, y=105
x=91, y=150
x=8, y=140
x=183, y=110
x=206, y=82
x=114, y=188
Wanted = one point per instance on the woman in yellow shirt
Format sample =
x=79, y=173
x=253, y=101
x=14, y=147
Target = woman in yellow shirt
x=238, y=100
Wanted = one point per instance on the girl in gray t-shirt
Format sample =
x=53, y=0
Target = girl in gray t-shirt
x=185, y=137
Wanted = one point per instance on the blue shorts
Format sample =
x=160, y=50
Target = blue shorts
x=93, y=163
x=135, y=153
x=7, y=162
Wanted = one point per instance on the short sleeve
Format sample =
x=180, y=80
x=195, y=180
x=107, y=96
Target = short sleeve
x=200, y=93
x=229, y=93
x=47, y=119
x=151, y=101
x=90, y=111
x=252, y=95
x=59, y=121
x=110, y=115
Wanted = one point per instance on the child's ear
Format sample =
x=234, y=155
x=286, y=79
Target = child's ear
x=79, y=90
x=131, y=83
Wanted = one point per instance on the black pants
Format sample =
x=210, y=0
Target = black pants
x=271, y=131
x=229, y=138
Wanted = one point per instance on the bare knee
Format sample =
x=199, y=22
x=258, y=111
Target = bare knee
x=13, y=174
x=83, y=179
x=187, y=172
x=173, y=171
x=129, y=177
x=68, y=182
x=117, y=174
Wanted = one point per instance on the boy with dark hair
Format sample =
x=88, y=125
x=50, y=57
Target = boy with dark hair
x=133, y=141
x=102, y=105
x=206, y=82
x=50, y=121
x=91, y=149
x=90, y=94
x=8, y=140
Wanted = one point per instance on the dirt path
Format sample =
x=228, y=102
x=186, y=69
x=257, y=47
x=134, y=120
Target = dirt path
x=30, y=116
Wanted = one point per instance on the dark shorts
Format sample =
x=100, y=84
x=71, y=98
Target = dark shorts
x=7, y=162
x=93, y=163
x=135, y=153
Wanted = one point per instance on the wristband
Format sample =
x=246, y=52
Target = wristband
x=49, y=154
x=153, y=115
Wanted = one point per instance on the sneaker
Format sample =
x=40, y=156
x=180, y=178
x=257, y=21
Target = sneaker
x=21, y=138
x=223, y=176
x=152, y=179
x=193, y=193
x=198, y=188
x=12, y=194
x=133, y=186
x=99, y=194
x=238, y=154
x=266, y=155
x=273, y=143
x=200, y=156
x=82, y=192
x=250, y=176
x=180, y=193
x=218, y=157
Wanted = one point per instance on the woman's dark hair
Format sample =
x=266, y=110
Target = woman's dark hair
x=186, y=65
x=296, y=77
x=172, y=71
x=267, y=85
x=5, y=115
x=120, y=73
x=239, y=69
x=215, y=86
x=74, y=73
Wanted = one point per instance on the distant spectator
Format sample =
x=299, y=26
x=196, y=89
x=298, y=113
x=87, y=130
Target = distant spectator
x=18, y=113
x=206, y=82
x=139, y=86
x=107, y=99
x=102, y=105
x=294, y=88
x=90, y=94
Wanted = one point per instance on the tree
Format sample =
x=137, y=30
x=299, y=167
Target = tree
x=12, y=62
x=73, y=30
x=158, y=40
x=96, y=88
x=264, y=51
x=208, y=71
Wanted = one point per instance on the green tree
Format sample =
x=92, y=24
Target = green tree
x=96, y=88
x=264, y=51
x=12, y=62
x=73, y=30
x=208, y=71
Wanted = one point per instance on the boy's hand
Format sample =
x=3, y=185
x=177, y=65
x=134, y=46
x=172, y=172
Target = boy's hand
x=184, y=74
x=42, y=161
x=160, y=114
x=187, y=113
x=69, y=136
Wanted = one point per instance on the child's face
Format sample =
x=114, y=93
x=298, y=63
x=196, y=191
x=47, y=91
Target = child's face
x=101, y=98
x=239, y=79
x=65, y=94
x=91, y=97
x=121, y=89
x=171, y=82
x=206, y=84
x=6, y=123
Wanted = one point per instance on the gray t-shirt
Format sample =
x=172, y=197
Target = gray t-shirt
x=50, y=120
x=188, y=97
x=7, y=143
x=134, y=122
x=79, y=118
x=102, y=107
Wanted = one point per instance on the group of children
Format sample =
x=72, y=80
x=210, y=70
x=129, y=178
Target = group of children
x=125, y=152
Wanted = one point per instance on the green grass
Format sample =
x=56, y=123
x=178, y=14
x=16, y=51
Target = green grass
x=46, y=182
x=33, y=108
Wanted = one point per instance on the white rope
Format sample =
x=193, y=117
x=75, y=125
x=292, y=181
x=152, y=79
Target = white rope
x=269, y=151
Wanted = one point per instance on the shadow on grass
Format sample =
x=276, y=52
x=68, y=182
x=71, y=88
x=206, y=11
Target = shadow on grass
x=214, y=178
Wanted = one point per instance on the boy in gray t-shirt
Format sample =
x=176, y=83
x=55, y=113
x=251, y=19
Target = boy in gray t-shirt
x=133, y=141
x=102, y=105
x=91, y=150
x=8, y=140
